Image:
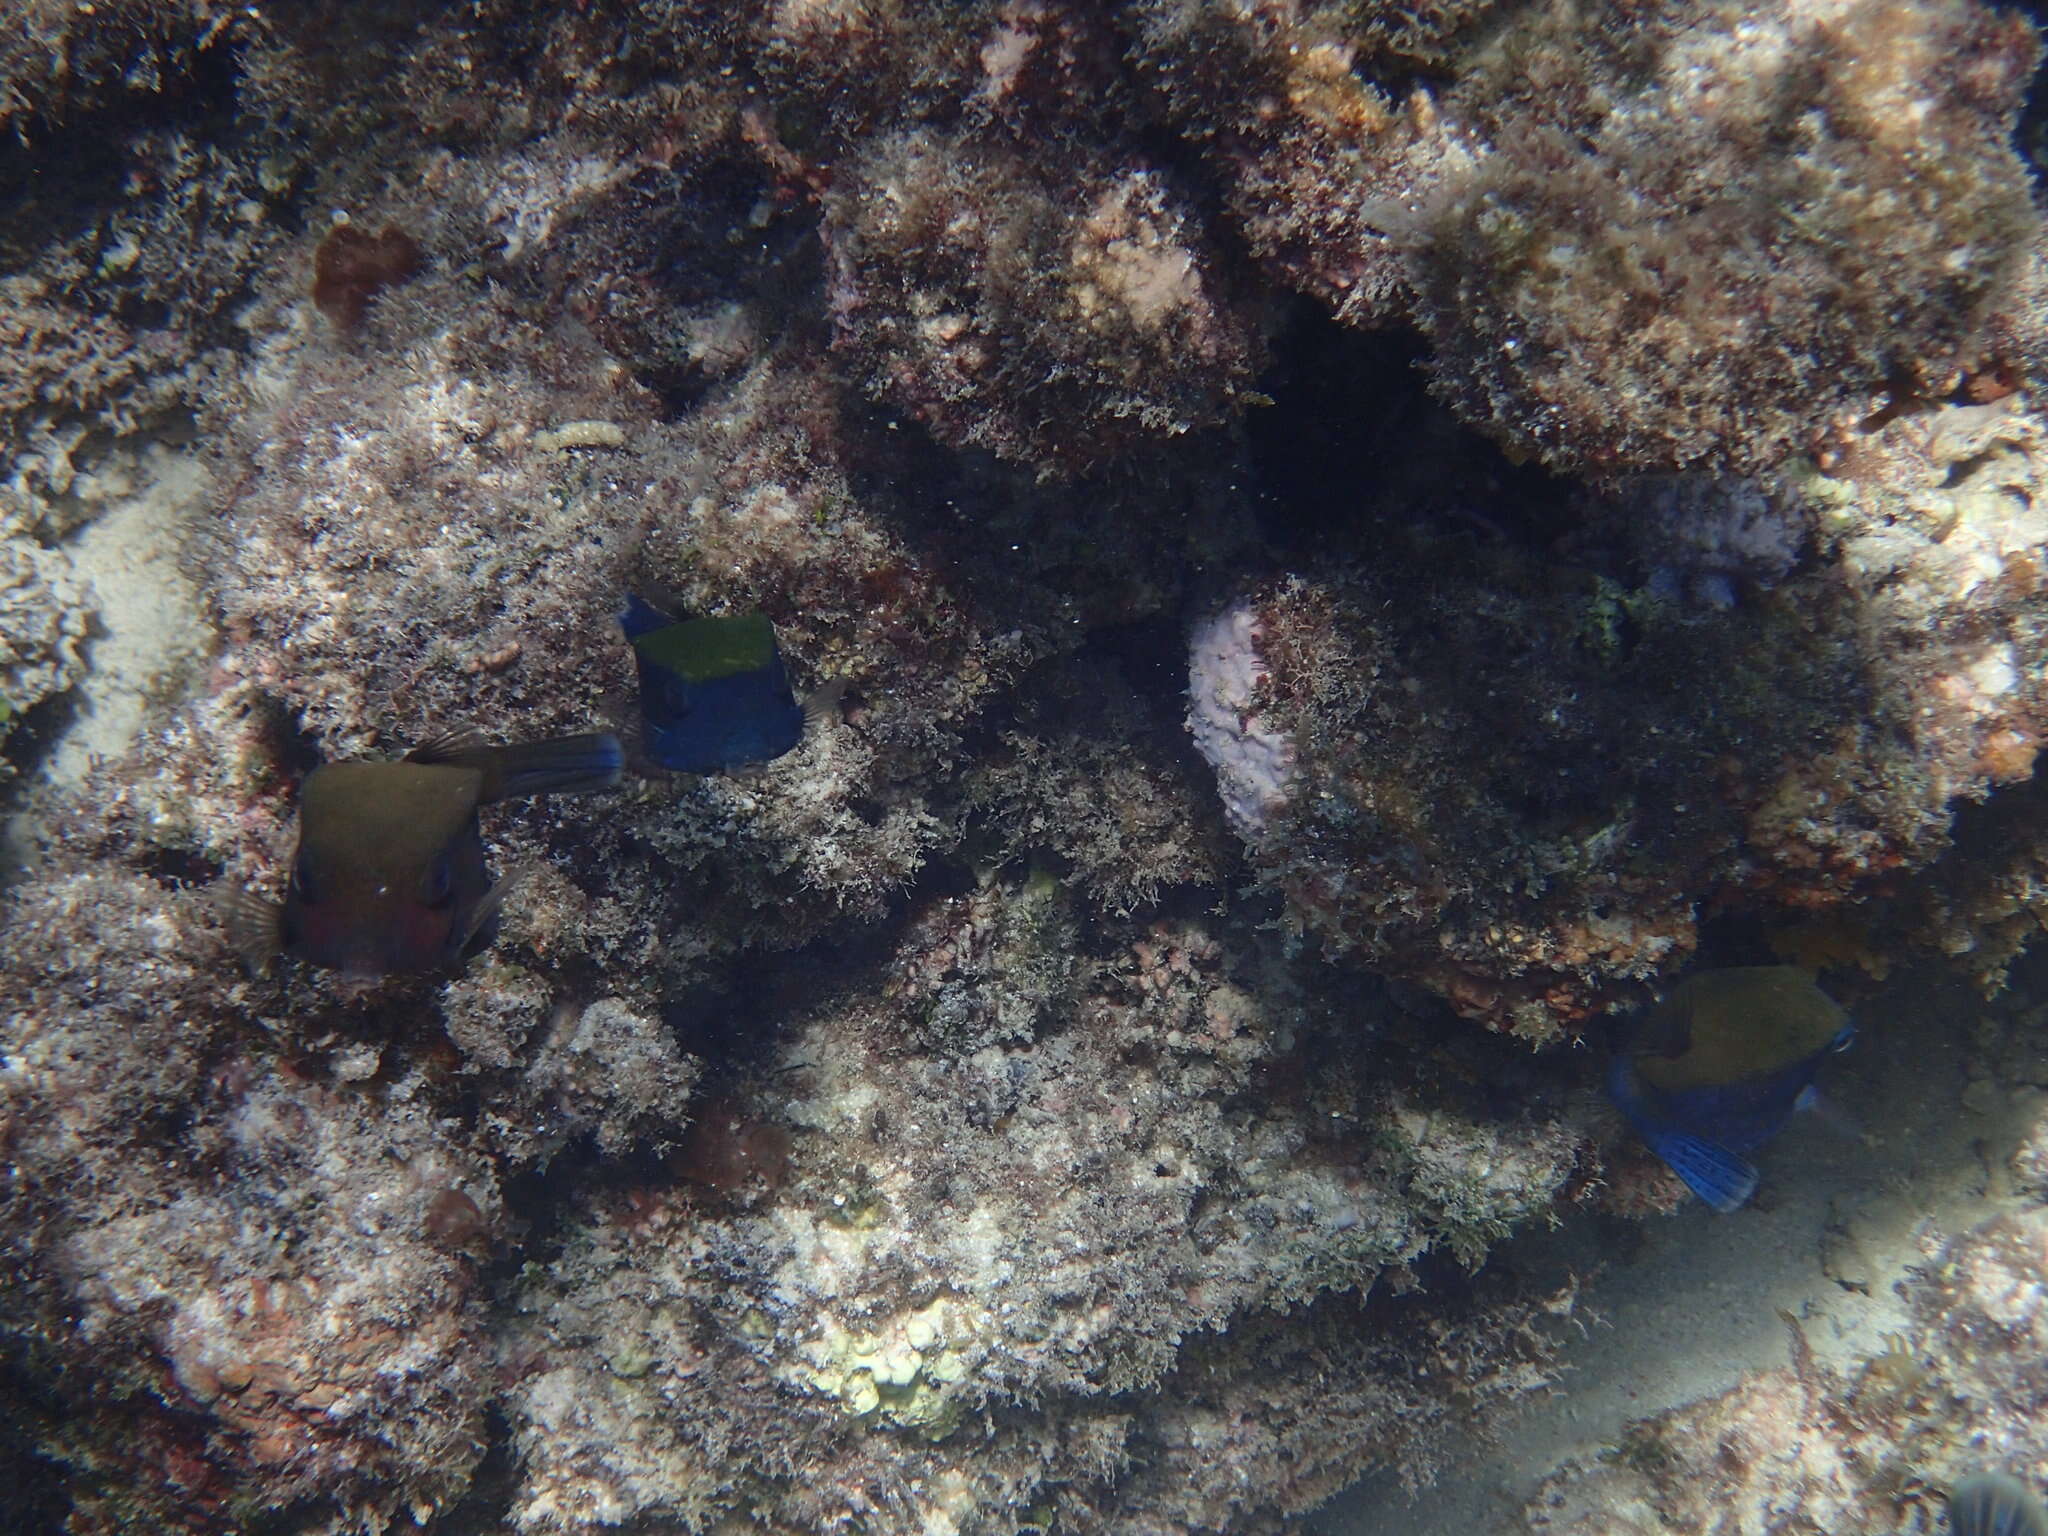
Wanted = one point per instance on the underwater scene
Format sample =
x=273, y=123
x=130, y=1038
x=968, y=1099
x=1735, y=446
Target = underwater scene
x=1023, y=768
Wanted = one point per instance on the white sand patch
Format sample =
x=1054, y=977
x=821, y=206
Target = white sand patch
x=149, y=630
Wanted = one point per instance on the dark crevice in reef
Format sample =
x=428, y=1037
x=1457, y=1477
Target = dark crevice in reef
x=1989, y=829
x=541, y=1205
x=1354, y=446
x=36, y=734
x=2027, y=978
x=59, y=173
x=702, y=250
x=1152, y=656
x=729, y=1021
x=35, y=1503
x=486, y=1507
x=2031, y=136
x=1734, y=939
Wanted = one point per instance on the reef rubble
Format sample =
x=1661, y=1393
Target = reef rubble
x=1349, y=544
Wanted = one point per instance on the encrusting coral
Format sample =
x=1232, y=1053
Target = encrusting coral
x=970, y=1119
x=1696, y=234
x=42, y=626
x=1802, y=685
x=935, y=1251
x=996, y=306
x=1637, y=237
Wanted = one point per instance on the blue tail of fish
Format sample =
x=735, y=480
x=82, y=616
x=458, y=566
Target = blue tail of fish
x=1719, y=1177
x=567, y=765
x=1724, y=1179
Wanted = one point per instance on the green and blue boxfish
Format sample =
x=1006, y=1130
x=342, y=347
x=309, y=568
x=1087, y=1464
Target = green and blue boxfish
x=714, y=694
x=1716, y=1069
x=389, y=875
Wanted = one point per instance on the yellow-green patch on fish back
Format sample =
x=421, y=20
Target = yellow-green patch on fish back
x=702, y=649
x=377, y=824
x=1733, y=1025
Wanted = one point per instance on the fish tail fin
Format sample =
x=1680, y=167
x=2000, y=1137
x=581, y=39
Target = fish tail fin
x=1995, y=1504
x=565, y=765
x=253, y=926
x=1718, y=1176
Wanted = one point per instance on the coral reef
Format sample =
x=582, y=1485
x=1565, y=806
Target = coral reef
x=1000, y=308
x=254, y=1246
x=1638, y=237
x=935, y=1251
x=1281, y=101
x=1091, y=779
x=1696, y=234
x=1802, y=684
x=1009, y=1109
x=42, y=626
x=60, y=61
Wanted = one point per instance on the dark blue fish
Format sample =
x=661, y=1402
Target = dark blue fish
x=389, y=875
x=1995, y=1504
x=1716, y=1069
x=713, y=692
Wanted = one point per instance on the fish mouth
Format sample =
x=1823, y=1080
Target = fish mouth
x=372, y=962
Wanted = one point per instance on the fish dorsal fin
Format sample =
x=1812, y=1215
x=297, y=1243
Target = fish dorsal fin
x=450, y=746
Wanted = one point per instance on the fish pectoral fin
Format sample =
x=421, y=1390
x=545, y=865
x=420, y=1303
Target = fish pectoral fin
x=254, y=926
x=821, y=705
x=455, y=745
x=1830, y=1114
x=483, y=917
x=1718, y=1176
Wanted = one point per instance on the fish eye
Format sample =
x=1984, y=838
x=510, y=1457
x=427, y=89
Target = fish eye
x=441, y=883
x=1843, y=1040
x=302, y=878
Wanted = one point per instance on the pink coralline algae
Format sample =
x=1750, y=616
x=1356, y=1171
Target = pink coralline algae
x=1253, y=761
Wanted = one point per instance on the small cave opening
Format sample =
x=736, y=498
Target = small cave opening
x=1355, y=447
x=30, y=1416
x=61, y=171
x=2031, y=139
